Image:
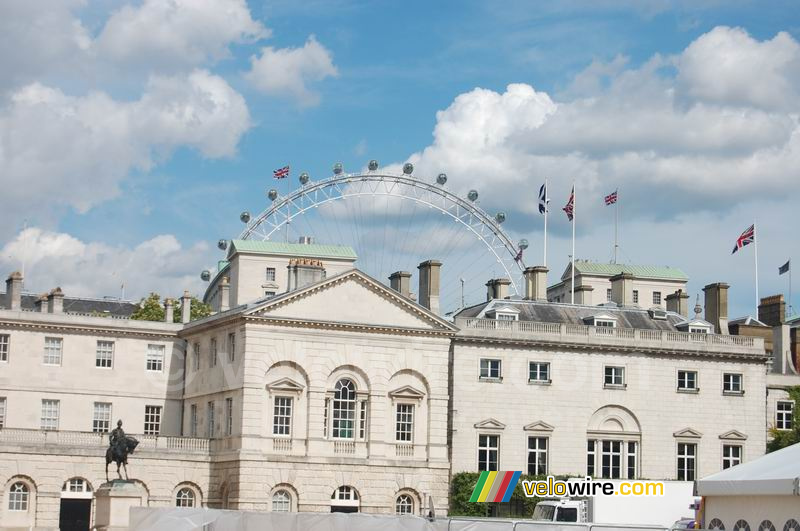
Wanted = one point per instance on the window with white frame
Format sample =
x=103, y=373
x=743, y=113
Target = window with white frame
x=698, y=330
x=18, y=496
x=539, y=371
x=50, y=410
x=488, y=452
x=537, y=456
x=404, y=423
x=193, y=420
x=632, y=459
x=687, y=461
x=104, y=357
x=155, y=358
x=229, y=416
x=612, y=458
x=212, y=352
x=152, y=420
x=270, y=274
x=5, y=346
x=404, y=504
x=732, y=383
x=362, y=421
x=52, y=350
x=490, y=369
x=184, y=497
x=605, y=323
x=76, y=485
x=101, y=419
x=282, y=416
x=784, y=415
x=2, y=412
x=608, y=295
x=500, y=316
x=210, y=420
x=196, y=356
x=281, y=501
x=231, y=347
x=657, y=298
x=731, y=455
x=687, y=381
x=269, y=293
x=346, y=496
x=636, y=296
x=344, y=409
x=614, y=376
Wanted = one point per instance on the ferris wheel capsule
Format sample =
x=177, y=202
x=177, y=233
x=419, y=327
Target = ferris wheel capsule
x=272, y=194
x=373, y=165
x=523, y=244
x=304, y=178
x=500, y=217
x=205, y=276
x=244, y=217
x=338, y=168
x=222, y=244
x=472, y=195
x=441, y=179
x=408, y=168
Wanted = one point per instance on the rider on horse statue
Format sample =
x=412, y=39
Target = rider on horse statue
x=119, y=446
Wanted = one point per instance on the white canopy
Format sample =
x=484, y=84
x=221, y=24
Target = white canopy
x=777, y=473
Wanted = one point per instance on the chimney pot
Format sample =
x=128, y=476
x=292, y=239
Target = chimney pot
x=622, y=289
x=772, y=310
x=14, y=291
x=169, y=310
x=224, y=294
x=55, y=301
x=400, y=281
x=429, y=271
x=186, y=307
x=678, y=302
x=536, y=283
x=716, y=296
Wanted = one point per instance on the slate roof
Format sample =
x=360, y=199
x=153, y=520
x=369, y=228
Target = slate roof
x=587, y=267
x=112, y=307
x=312, y=250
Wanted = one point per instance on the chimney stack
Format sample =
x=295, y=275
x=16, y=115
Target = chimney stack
x=41, y=303
x=429, y=284
x=583, y=294
x=772, y=310
x=497, y=288
x=536, y=283
x=224, y=294
x=55, y=301
x=14, y=291
x=186, y=307
x=304, y=271
x=678, y=302
x=622, y=289
x=717, y=306
x=169, y=310
x=400, y=281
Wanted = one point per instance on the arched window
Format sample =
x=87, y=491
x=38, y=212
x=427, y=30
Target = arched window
x=185, y=497
x=78, y=485
x=344, y=409
x=344, y=500
x=281, y=501
x=404, y=504
x=18, y=497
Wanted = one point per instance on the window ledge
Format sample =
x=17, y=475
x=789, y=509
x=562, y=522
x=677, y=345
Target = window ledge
x=615, y=386
x=689, y=391
x=490, y=380
x=733, y=393
x=540, y=382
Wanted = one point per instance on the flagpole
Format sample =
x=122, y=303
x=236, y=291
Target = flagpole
x=755, y=241
x=616, y=219
x=288, y=211
x=574, y=215
x=544, y=258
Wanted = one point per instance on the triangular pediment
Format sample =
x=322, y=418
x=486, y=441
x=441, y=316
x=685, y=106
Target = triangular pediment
x=285, y=385
x=539, y=425
x=353, y=299
x=733, y=435
x=688, y=433
x=407, y=392
x=490, y=424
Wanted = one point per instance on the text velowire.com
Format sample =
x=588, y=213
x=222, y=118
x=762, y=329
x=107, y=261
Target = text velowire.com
x=552, y=487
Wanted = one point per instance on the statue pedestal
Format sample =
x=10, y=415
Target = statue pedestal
x=113, y=502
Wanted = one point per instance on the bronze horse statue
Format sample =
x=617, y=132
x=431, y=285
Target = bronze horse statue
x=119, y=454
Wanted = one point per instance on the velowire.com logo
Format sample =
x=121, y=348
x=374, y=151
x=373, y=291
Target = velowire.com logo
x=499, y=486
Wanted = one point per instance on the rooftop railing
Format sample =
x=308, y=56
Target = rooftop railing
x=99, y=440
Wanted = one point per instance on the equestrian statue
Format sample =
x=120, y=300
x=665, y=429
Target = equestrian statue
x=119, y=446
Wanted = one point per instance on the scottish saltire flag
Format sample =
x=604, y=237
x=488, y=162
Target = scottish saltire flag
x=747, y=237
x=611, y=198
x=784, y=268
x=570, y=207
x=281, y=173
x=543, y=199
x=495, y=486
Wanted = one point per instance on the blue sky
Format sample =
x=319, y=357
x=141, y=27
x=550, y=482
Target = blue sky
x=682, y=105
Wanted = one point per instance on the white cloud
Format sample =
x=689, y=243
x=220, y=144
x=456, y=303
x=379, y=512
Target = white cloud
x=98, y=269
x=287, y=71
x=173, y=33
x=59, y=151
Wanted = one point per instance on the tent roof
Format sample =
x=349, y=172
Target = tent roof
x=777, y=473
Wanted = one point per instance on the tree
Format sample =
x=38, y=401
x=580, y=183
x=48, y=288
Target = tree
x=784, y=438
x=151, y=308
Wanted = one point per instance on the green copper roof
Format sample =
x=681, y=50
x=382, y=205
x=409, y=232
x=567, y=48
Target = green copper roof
x=641, y=271
x=313, y=250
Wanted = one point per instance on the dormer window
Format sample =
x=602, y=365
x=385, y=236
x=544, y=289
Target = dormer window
x=698, y=330
x=603, y=320
x=503, y=313
x=607, y=323
x=506, y=316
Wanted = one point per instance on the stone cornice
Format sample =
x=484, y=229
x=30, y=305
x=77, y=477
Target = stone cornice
x=81, y=326
x=347, y=327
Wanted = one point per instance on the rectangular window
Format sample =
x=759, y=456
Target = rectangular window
x=152, y=420
x=270, y=276
x=229, y=416
x=52, y=350
x=539, y=372
x=693, y=330
x=537, y=456
x=608, y=295
x=211, y=420
x=488, y=450
x=50, y=414
x=196, y=356
x=155, y=358
x=687, y=380
x=212, y=353
x=636, y=296
x=657, y=298
x=5, y=346
x=784, y=415
x=282, y=418
x=611, y=459
x=105, y=354
x=632, y=459
x=231, y=347
x=193, y=420
x=605, y=323
x=731, y=455
x=591, y=455
x=269, y=294
x=362, y=423
x=101, y=420
x=325, y=418
x=506, y=317
x=687, y=455
x=614, y=376
x=490, y=369
x=732, y=383
x=404, y=423
x=2, y=412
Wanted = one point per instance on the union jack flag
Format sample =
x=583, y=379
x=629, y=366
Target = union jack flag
x=281, y=173
x=611, y=198
x=519, y=255
x=747, y=237
x=570, y=207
